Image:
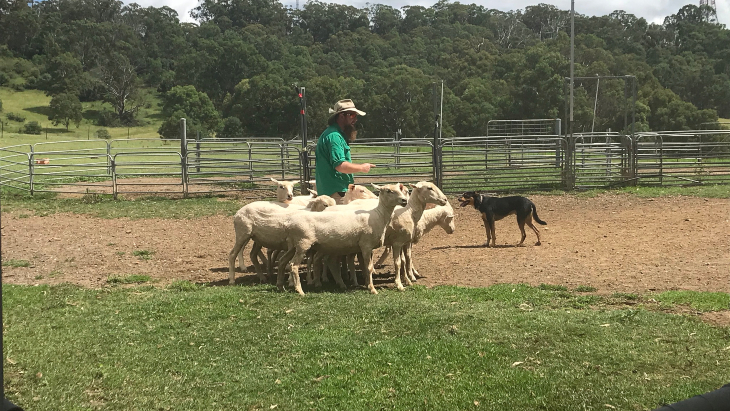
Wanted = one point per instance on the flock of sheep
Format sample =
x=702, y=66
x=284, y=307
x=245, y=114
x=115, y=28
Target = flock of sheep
x=295, y=227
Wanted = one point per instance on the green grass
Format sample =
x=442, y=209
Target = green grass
x=129, y=279
x=47, y=204
x=505, y=347
x=33, y=105
x=16, y=263
x=143, y=254
x=700, y=301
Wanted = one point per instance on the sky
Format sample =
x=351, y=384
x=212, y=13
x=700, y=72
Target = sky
x=653, y=11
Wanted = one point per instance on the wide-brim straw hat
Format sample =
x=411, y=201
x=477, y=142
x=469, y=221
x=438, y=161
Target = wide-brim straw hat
x=344, y=106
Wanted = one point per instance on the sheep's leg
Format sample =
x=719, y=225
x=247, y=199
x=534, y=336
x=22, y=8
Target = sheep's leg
x=283, y=261
x=318, y=266
x=397, y=251
x=351, y=267
x=310, y=267
x=271, y=262
x=404, y=267
x=334, y=266
x=410, y=269
x=383, y=257
x=296, y=260
x=367, y=260
x=241, y=241
x=255, y=254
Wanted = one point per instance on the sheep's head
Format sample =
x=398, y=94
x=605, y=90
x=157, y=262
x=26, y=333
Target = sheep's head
x=321, y=202
x=392, y=194
x=429, y=193
x=284, y=190
x=357, y=192
x=446, y=218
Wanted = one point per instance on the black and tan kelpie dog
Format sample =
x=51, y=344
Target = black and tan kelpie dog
x=497, y=208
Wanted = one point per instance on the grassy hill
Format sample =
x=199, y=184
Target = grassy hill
x=32, y=105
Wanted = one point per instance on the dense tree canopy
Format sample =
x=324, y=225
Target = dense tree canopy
x=234, y=71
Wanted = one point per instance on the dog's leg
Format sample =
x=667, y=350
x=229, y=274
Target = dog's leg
x=487, y=228
x=521, y=224
x=537, y=232
x=492, y=231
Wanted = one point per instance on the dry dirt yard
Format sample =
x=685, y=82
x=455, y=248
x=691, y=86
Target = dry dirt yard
x=613, y=242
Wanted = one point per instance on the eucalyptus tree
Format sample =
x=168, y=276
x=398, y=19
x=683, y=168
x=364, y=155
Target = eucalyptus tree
x=65, y=109
x=400, y=98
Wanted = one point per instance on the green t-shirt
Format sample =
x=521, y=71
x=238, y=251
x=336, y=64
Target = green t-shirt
x=332, y=150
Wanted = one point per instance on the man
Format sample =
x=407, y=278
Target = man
x=334, y=169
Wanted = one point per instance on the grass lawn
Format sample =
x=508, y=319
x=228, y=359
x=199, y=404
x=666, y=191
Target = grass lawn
x=33, y=106
x=505, y=347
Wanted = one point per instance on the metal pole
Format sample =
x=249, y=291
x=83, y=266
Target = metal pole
x=304, y=157
x=183, y=155
x=437, y=126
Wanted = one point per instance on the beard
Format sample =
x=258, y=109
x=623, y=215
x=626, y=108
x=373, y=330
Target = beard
x=350, y=133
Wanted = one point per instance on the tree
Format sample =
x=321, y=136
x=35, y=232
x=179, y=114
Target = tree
x=64, y=76
x=122, y=89
x=232, y=128
x=186, y=102
x=65, y=108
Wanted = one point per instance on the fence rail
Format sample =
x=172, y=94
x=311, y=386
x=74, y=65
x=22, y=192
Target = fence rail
x=488, y=163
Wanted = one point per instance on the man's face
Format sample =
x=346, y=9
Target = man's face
x=349, y=127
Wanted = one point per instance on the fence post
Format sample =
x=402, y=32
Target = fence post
x=197, y=152
x=436, y=134
x=113, y=163
x=303, y=157
x=184, y=156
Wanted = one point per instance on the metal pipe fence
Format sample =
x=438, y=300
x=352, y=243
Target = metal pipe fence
x=486, y=163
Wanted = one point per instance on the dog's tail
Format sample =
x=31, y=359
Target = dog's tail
x=534, y=214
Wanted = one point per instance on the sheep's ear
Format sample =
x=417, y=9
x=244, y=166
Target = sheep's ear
x=412, y=185
x=375, y=186
x=274, y=180
x=351, y=187
x=313, y=193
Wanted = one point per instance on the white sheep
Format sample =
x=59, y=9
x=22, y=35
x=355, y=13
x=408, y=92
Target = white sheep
x=357, y=192
x=358, y=198
x=405, y=220
x=340, y=233
x=259, y=221
x=442, y=216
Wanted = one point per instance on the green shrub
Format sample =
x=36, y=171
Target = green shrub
x=32, y=127
x=15, y=117
x=103, y=133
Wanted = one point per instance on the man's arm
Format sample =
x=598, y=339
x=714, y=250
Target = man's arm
x=348, y=168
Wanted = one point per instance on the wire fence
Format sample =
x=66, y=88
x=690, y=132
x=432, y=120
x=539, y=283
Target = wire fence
x=528, y=162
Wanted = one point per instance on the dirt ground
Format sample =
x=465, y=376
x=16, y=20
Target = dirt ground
x=613, y=242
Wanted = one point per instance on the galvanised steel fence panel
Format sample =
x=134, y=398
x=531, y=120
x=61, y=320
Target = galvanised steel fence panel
x=683, y=158
x=14, y=165
x=162, y=170
x=231, y=165
x=495, y=163
x=602, y=161
x=396, y=161
x=502, y=163
x=67, y=166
